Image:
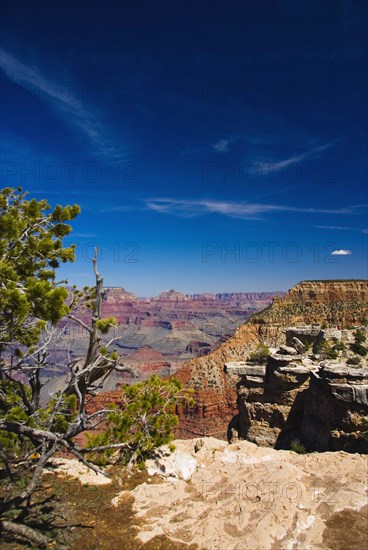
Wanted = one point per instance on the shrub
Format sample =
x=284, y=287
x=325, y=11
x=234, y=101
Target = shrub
x=261, y=354
x=359, y=349
x=338, y=345
x=298, y=447
x=326, y=349
x=360, y=337
x=353, y=361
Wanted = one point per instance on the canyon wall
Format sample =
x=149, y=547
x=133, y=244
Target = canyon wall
x=341, y=304
x=301, y=399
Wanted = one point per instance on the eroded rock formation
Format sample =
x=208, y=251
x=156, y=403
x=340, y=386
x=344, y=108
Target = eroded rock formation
x=304, y=397
x=315, y=304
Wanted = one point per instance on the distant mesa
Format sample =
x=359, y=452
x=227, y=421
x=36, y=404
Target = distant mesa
x=118, y=294
x=171, y=296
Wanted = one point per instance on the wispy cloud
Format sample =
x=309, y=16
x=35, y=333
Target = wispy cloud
x=265, y=167
x=341, y=253
x=252, y=211
x=221, y=146
x=334, y=227
x=342, y=228
x=63, y=102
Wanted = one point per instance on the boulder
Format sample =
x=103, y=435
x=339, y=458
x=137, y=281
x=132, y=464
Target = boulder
x=287, y=350
x=178, y=465
x=280, y=359
x=329, y=334
x=297, y=344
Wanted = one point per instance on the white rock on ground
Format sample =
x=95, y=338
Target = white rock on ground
x=244, y=497
x=178, y=465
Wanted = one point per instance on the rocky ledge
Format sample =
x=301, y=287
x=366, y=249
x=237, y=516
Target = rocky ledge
x=317, y=305
x=304, y=397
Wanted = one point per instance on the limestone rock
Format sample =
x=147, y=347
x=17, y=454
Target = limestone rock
x=243, y=497
x=361, y=394
x=243, y=368
x=330, y=333
x=287, y=350
x=322, y=405
x=345, y=392
x=178, y=465
x=72, y=467
x=297, y=344
x=283, y=359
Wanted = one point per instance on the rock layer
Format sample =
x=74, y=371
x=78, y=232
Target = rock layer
x=339, y=304
x=321, y=406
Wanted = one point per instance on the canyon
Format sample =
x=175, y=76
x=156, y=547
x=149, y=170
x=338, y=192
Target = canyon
x=297, y=395
x=339, y=304
x=243, y=472
x=157, y=335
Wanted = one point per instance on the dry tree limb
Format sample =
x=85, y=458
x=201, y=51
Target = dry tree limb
x=24, y=532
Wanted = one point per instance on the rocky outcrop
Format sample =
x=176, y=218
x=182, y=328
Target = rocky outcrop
x=303, y=397
x=304, y=310
x=334, y=406
x=340, y=304
x=270, y=398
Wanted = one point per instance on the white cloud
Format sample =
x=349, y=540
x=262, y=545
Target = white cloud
x=334, y=227
x=365, y=231
x=63, y=101
x=341, y=253
x=222, y=146
x=192, y=208
x=265, y=167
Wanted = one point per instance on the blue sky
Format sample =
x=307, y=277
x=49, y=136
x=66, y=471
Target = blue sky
x=213, y=146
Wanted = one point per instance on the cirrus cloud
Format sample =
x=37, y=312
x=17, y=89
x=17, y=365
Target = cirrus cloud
x=244, y=210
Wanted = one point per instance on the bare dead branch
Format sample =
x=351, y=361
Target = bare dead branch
x=24, y=532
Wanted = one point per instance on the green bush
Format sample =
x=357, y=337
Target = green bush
x=261, y=354
x=360, y=337
x=353, y=361
x=338, y=345
x=298, y=447
x=359, y=349
x=328, y=351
